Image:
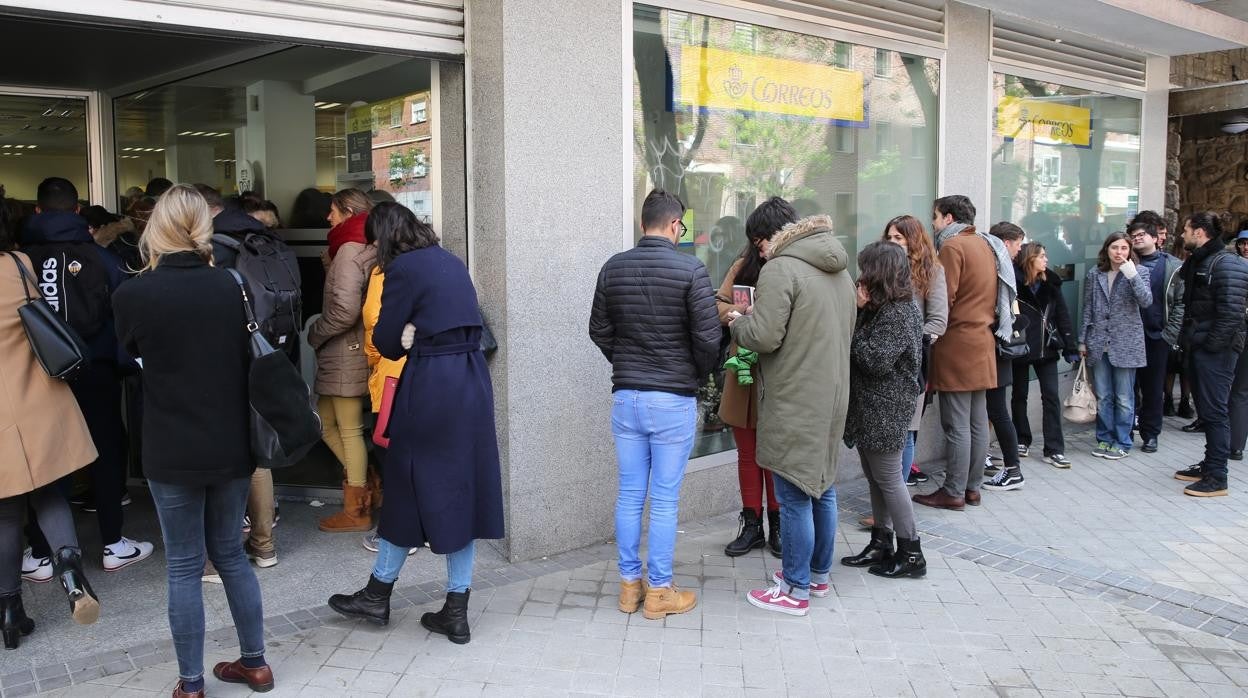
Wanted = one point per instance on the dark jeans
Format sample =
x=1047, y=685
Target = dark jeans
x=1050, y=403
x=1007, y=438
x=47, y=505
x=1239, y=403
x=1151, y=382
x=193, y=519
x=1214, y=373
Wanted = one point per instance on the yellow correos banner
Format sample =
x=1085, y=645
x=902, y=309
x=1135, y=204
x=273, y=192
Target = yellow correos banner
x=1031, y=119
x=360, y=119
x=718, y=79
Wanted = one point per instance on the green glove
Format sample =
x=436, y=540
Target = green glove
x=741, y=365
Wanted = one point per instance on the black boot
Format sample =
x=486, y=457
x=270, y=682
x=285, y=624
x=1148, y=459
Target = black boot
x=880, y=549
x=1185, y=409
x=750, y=537
x=773, y=533
x=1167, y=406
x=83, y=603
x=908, y=562
x=452, y=620
x=13, y=619
x=372, y=603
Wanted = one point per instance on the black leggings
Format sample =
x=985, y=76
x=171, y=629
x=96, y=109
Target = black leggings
x=52, y=511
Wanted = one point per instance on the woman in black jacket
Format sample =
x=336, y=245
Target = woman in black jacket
x=184, y=319
x=885, y=354
x=1051, y=337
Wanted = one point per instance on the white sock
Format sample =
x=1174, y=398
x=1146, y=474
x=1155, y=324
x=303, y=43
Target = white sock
x=121, y=548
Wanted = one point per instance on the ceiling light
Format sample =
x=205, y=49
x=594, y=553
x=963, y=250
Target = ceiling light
x=185, y=133
x=1236, y=125
x=65, y=113
x=47, y=112
x=328, y=105
x=32, y=147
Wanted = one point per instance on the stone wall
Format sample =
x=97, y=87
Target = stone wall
x=1215, y=177
x=1174, y=167
x=1201, y=69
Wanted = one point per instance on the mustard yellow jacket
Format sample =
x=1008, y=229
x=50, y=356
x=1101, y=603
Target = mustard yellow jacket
x=379, y=367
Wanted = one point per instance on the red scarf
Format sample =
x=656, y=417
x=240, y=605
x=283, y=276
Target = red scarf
x=350, y=230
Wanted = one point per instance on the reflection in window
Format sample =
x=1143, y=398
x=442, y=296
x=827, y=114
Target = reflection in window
x=712, y=124
x=1065, y=167
x=419, y=112
x=883, y=63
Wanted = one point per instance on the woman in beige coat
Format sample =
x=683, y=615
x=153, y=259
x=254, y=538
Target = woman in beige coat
x=43, y=438
x=341, y=366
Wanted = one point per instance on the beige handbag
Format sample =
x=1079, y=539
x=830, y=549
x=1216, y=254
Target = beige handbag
x=1080, y=406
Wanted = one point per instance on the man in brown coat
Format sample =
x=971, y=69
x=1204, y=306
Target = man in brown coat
x=964, y=360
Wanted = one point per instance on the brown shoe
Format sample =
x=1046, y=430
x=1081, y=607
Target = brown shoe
x=355, y=514
x=259, y=680
x=940, y=500
x=632, y=594
x=972, y=497
x=668, y=600
x=867, y=522
x=179, y=693
x=374, y=488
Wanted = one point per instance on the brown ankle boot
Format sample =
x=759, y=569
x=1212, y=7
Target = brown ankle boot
x=355, y=514
x=668, y=600
x=632, y=594
x=374, y=488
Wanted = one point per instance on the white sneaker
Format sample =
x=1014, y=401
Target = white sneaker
x=126, y=552
x=36, y=569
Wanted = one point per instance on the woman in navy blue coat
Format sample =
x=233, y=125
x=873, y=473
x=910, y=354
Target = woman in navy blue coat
x=442, y=475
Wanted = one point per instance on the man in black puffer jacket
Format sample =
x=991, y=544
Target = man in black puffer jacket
x=1214, y=329
x=654, y=318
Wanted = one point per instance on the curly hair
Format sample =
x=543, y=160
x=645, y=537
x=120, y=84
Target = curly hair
x=884, y=272
x=919, y=250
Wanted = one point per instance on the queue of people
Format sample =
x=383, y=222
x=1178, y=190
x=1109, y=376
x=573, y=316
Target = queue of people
x=962, y=315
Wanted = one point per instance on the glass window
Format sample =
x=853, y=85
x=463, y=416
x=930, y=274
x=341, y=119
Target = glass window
x=1066, y=167
x=918, y=142
x=396, y=115
x=883, y=63
x=883, y=136
x=46, y=136
x=678, y=27
x=419, y=112
x=722, y=123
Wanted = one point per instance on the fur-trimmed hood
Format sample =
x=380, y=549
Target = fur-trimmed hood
x=811, y=240
x=106, y=234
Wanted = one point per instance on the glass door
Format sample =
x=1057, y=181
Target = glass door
x=42, y=135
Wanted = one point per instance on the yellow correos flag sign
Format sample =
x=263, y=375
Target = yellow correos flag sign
x=1030, y=119
x=718, y=79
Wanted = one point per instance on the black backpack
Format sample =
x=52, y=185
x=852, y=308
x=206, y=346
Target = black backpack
x=75, y=282
x=272, y=273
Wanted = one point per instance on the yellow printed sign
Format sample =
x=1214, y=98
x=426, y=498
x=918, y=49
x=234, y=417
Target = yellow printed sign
x=360, y=119
x=719, y=79
x=1030, y=119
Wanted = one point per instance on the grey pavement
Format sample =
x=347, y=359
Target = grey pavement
x=1099, y=580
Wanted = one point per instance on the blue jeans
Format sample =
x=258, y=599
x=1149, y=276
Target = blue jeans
x=907, y=455
x=1115, y=403
x=192, y=520
x=390, y=559
x=653, y=438
x=809, y=525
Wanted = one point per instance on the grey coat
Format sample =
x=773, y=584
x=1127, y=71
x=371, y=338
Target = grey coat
x=1111, y=320
x=884, y=381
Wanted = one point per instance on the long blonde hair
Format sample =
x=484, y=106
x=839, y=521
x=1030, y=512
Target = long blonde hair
x=180, y=222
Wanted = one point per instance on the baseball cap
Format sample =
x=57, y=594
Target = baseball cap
x=1243, y=235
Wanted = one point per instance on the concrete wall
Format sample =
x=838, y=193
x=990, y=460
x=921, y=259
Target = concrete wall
x=966, y=107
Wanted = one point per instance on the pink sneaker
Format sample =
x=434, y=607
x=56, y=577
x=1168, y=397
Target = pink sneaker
x=775, y=600
x=820, y=590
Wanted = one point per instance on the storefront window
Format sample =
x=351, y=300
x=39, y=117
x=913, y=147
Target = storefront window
x=1065, y=167
x=727, y=114
x=44, y=136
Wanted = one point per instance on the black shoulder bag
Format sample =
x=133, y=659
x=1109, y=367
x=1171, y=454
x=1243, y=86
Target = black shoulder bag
x=284, y=424
x=58, y=348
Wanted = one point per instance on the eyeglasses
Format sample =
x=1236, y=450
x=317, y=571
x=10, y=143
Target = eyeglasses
x=683, y=228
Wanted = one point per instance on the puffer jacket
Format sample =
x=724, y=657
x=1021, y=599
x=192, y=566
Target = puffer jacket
x=654, y=318
x=1046, y=312
x=801, y=327
x=338, y=334
x=1216, y=291
x=884, y=383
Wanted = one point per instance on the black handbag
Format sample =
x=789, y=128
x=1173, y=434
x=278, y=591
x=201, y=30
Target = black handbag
x=284, y=423
x=1016, y=347
x=59, y=349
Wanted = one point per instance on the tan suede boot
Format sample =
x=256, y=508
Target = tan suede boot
x=374, y=488
x=664, y=601
x=632, y=594
x=355, y=514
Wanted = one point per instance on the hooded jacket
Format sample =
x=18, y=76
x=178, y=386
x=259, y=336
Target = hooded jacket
x=801, y=326
x=236, y=224
x=65, y=233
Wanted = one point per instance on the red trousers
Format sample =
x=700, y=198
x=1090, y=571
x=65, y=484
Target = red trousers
x=751, y=476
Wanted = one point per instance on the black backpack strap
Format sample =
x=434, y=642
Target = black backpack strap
x=252, y=325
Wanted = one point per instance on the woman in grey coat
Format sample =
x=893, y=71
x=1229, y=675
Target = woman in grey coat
x=885, y=354
x=1112, y=340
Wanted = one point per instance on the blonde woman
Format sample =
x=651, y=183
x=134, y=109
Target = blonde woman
x=341, y=367
x=184, y=319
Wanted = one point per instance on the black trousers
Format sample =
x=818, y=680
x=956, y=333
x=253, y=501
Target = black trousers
x=1151, y=382
x=1239, y=403
x=50, y=508
x=1214, y=374
x=999, y=417
x=1050, y=401
x=98, y=391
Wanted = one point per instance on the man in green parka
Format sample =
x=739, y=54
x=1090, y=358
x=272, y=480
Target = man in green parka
x=801, y=325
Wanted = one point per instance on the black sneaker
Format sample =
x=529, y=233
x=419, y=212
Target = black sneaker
x=89, y=506
x=1207, y=487
x=1005, y=481
x=1192, y=473
x=916, y=477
